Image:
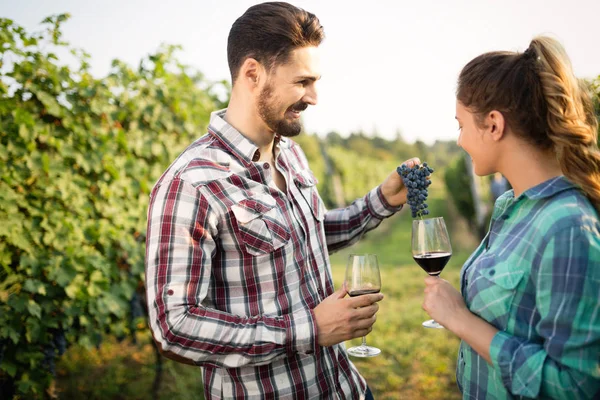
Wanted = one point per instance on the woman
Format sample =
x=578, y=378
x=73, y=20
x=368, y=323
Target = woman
x=529, y=314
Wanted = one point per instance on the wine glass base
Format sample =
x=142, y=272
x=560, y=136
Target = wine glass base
x=432, y=324
x=363, y=351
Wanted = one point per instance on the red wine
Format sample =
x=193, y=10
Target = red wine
x=433, y=263
x=354, y=293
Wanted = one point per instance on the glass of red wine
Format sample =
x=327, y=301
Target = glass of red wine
x=431, y=249
x=362, y=277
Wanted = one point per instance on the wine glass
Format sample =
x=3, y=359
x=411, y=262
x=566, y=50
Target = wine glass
x=362, y=277
x=431, y=249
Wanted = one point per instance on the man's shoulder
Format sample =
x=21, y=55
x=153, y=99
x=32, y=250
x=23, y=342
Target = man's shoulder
x=296, y=153
x=202, y=162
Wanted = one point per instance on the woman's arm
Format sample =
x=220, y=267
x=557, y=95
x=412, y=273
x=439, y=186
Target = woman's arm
x=565, y=362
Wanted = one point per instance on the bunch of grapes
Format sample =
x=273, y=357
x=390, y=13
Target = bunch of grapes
x=416, y=180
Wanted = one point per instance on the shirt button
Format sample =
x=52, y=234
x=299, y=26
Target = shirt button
x=492, y=272
x=266, y=165
x=170, y=292
x=505, y=217
x=320, y=291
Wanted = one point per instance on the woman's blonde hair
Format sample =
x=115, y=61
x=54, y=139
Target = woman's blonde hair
x=543, y=102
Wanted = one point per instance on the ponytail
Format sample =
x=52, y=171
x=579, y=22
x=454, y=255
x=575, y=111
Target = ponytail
x=572, y=125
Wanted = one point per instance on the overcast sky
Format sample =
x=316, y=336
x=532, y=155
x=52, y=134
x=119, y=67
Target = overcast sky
x=387, y=65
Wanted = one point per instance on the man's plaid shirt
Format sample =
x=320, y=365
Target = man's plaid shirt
x=234, y=268
x=536, y=277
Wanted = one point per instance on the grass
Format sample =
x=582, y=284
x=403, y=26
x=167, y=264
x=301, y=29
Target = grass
x=416, y=363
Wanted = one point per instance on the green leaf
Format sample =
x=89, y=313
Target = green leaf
x=113, y=304
x=9, y=367
x=52, y=106
x=34, y=286
x=10, y=332
x=73, y=290
x=34, y=308
x=62, y=274
x=18, y=302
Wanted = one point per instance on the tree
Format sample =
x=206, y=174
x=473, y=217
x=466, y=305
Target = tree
x=79, y=156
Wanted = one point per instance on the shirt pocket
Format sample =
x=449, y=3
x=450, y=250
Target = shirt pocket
x=307, y=185
x=493, y=289
x=261, y=224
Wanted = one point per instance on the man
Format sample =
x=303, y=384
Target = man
x=238, y=275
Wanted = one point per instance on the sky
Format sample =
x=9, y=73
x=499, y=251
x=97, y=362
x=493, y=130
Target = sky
x=387, y=66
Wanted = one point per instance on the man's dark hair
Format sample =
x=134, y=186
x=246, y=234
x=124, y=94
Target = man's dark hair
x=269, y=32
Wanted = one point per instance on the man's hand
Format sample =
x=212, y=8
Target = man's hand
x=393, y=188
x=341, y=318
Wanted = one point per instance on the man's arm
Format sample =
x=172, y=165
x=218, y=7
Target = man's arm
x=345, y=226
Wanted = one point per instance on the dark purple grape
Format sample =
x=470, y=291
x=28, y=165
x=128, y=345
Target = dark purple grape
x=416, y=180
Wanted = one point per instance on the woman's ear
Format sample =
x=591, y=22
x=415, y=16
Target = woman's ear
x=496, y=124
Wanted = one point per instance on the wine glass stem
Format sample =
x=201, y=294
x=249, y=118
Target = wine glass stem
x=364, y=341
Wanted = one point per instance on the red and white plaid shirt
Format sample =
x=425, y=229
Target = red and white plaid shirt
x=234, y=268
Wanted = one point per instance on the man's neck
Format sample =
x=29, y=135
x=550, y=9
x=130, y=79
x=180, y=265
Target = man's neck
x=251, y=125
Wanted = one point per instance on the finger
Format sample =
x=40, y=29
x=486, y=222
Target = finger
x=340, y=293
x=432, y=280
x=364, y=323
x=365, y=300
x=362, y=332
x=412, y=162
x=364, y=327
x=366, y=312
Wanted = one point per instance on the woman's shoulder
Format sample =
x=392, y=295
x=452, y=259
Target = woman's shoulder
x=569, y=209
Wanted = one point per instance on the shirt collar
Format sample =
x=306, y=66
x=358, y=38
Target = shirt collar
x=549, y=188
x=544, y=190
x=235, y=141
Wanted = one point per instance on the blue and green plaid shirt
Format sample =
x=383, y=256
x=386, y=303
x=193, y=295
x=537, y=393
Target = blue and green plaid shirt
x=536, y=278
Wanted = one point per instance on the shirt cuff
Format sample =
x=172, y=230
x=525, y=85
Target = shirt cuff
x=505, y=357
x=498, y=341
x=301, y=332
x=378, y=205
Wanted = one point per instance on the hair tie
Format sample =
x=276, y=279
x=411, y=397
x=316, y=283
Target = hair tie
x=530, y=54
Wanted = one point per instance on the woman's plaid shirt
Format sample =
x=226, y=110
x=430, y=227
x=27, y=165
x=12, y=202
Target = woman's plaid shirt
x=234, y=268
x=536, y=277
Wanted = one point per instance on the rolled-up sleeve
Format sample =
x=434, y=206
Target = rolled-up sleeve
x=566, y=364
x=345, y=226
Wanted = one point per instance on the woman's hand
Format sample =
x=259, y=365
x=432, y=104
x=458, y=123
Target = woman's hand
x=443, y=303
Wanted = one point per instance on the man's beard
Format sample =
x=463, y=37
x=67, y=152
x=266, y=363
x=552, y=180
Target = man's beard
x=267, y=109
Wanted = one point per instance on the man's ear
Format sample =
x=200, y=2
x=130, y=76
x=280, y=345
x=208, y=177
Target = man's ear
x=496, y=125
x=250, y=72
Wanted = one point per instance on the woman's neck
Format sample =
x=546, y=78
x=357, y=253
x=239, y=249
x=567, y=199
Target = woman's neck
x=526, y=167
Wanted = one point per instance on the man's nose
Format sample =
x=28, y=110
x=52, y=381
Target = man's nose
x=310, y=97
